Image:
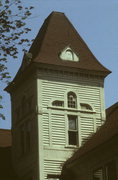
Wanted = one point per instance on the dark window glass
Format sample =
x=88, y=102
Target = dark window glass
x=58, y=103
x=72, y=138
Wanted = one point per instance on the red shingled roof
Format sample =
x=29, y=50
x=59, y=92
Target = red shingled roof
x=57, y=33
x=5, y=138
x=104, y=134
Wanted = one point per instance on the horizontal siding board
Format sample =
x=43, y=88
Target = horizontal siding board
x=51, y=89
x=52, y=167
x=46, y=129
x=86, y=91
x=87, y=128
x=58, y=129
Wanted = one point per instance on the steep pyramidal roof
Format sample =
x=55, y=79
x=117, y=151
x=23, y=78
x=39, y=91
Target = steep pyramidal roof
x=57, y=33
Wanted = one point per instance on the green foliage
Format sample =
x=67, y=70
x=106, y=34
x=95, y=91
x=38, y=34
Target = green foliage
x=13, y=16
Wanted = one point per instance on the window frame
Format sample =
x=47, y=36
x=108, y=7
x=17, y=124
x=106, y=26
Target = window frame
x=58, y=102
x=73, y=131
x=72, y=101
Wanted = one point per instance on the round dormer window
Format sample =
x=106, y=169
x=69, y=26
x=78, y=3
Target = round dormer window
x=69, y=55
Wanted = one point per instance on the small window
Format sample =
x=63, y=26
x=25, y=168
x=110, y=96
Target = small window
x=72, y=100
x=86, y=107
x=72, y=131
x=69, y=55
x=58, y=103
x=98, y=174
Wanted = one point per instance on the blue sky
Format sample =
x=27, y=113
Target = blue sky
x=96, y=22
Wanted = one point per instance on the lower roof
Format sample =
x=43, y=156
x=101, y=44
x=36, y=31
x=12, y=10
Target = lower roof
x=105, y=133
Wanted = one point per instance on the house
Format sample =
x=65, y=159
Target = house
x=97, y=159
x=57, y=100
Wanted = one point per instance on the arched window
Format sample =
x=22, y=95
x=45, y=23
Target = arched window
x=85, y=106
x=58, y=103
x=69, y=55
x=72, y=100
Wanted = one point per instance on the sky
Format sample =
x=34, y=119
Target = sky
x=96, y=22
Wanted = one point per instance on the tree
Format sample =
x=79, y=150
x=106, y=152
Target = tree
x=13, y=17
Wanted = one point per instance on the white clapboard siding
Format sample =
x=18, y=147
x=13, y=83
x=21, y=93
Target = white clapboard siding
x=87, y=127
x=58, y=129
x=52, y=167
x=57, y=90
x=91, y=95
x=98, y=123
x=45, y=129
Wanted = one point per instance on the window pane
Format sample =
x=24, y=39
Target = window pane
x=98, y=174
x=58, y=103
x=72, y=138
x=72, y=122
x=72, y=100
x=85, y=107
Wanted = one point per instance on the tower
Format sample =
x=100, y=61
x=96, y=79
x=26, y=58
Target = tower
x=57, y=100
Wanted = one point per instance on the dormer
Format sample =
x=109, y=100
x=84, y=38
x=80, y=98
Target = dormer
x=68, y=54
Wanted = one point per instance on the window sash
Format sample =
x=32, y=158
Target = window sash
x=72, y=121
x=72, y=137
x=72, y=130
x=72, y=100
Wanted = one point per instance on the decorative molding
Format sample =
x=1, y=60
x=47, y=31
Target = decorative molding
x=70, y=73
